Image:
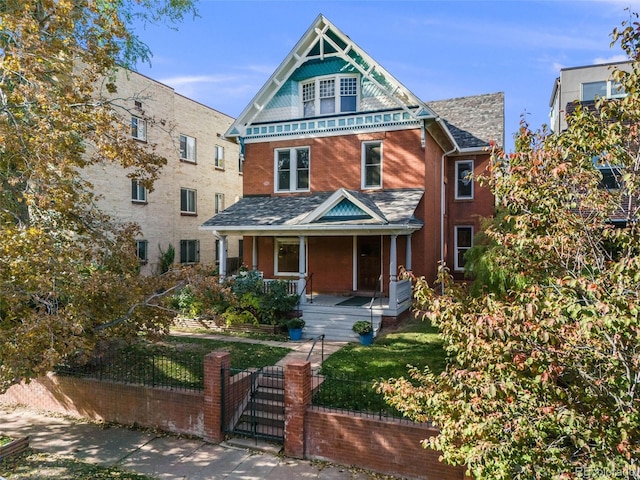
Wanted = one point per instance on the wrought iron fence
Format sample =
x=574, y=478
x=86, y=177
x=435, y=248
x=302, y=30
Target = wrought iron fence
x=350, y=394
x=168, y=369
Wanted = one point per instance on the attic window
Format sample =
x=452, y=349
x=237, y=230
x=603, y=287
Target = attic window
x=329, y=95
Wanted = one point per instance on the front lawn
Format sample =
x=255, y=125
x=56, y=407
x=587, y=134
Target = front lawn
x=351, y=372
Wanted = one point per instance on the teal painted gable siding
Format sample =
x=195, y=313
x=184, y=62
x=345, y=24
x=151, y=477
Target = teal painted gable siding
x=285, y=104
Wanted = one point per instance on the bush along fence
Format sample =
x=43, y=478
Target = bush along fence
x=309, y=430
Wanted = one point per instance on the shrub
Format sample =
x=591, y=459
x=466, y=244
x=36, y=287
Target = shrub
x=295, y=323
x=362, y=327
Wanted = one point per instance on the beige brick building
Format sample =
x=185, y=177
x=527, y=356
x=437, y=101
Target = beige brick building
x=202, y=175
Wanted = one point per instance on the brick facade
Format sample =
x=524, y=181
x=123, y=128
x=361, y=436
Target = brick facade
x=387, y=446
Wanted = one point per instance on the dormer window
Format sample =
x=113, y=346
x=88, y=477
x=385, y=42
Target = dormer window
x=329, y=95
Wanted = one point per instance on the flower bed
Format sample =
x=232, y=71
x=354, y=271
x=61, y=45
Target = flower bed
x=12, y=447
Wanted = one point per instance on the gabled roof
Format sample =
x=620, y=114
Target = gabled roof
x=324, y=40
x=330, y=213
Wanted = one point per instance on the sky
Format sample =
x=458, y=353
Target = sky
x=437, y=49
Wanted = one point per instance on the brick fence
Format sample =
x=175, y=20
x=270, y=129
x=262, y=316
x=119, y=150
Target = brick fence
x=383, y=445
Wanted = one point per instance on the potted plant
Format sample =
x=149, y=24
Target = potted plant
x=365, y=330
x=295, y=326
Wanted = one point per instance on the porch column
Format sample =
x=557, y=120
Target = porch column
x=393, y=270
x=222, y=256
x=254, y=253
x=407, y=262
x=302, y=269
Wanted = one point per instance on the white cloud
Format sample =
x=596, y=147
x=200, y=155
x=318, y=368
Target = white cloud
x=611, y=59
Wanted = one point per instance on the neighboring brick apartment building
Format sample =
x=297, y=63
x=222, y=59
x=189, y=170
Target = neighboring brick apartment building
x=348, y=175
x=202, y=176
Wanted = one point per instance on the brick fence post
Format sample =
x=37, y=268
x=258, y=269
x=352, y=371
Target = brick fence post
x=297, y=397
x=214, y=363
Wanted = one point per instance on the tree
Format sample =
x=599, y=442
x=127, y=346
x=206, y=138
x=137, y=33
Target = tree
x=543, y=374
x=67, y=269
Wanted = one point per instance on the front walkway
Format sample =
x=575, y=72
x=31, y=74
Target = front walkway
x=299, y=349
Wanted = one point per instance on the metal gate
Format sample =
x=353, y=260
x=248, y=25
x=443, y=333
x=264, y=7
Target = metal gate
x=253, y=402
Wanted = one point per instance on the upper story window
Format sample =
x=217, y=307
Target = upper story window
x=187, y=148
x=187, y=201
x=292, y=169
x=464, y=180
x=219, y=202
x=138, y=192
x=328, y=95
x=372, y=165
x=219, y=157
x=139, y=128
x=601, y=89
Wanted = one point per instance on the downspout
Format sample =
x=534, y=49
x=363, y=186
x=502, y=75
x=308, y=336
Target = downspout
x=442, y=193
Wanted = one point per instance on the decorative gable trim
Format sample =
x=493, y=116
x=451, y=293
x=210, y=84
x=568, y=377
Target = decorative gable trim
x=346, y=202
x=323, y=40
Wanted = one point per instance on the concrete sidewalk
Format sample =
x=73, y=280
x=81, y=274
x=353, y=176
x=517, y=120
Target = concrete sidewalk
x=159, y=455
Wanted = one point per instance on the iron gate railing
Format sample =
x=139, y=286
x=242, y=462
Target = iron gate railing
x=253, y=402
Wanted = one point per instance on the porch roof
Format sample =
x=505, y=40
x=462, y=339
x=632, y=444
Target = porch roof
x=343, y=212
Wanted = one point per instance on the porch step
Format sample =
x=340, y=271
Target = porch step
x=336, y=322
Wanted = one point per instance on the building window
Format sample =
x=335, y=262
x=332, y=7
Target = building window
x=219, y=157
x=240, y=163
x=464, y=180
x=292, y=169
x=139, y=128
x=463, y=242
x=372, y=165
x=601, y=89
x=142, y=249
x=320, y=95
x=287, y=256
x=611, y=174
x=189, y=251
x=187, y=148
x=138, y=192
x=188, y=201
x=219, y=202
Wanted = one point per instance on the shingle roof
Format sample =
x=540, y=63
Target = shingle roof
x=473, y=121
x=394, y=207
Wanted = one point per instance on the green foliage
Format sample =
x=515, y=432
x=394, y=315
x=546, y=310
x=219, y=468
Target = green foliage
x=235, y=317
x=295, y=323
x=543, y=356
x=187, y=302
x=362, y=327
x=166, y=259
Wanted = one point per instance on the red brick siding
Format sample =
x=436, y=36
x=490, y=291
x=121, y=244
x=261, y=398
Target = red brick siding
x=386, y=446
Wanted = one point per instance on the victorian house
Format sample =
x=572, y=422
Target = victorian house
x=349, y=177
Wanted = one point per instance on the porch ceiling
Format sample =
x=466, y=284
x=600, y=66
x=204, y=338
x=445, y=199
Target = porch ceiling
x=289, y=215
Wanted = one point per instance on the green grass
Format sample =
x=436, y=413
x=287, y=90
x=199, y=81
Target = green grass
x=38, y=465
x=178, y=362
x=351, y=372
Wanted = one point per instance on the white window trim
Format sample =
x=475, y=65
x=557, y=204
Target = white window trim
x=218, y=202
x=139, y=189
x=141, y=128
x=337, y=96
x=609, y=85
x=293, y=161
x=288, y=241
x=191, y=153
x=143, y=260
x=195, y=201
x=456, y=175
x=219, y=156
x=457, y=267
x=363, y=166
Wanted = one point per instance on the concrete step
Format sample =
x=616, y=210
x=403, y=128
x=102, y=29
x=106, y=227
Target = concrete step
x=336, y=322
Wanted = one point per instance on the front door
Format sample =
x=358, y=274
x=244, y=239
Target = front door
x=369, y=253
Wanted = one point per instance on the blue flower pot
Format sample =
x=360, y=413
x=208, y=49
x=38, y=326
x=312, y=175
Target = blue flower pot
x=295, y=333
x=366, y=338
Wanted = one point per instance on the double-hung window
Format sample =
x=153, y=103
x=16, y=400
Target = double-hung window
x=329, y=95
x=189, y=251
x=219, y=157
x=139, y=128
x=219, y=202
x=292, y=169
x=187, y=148
x=138, y=192
x=371, y=165
x=464, y=180
x=142, y=250
x=463, y=242
x=188, y=201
